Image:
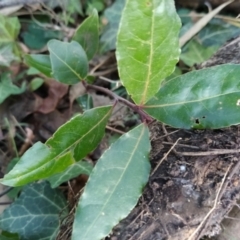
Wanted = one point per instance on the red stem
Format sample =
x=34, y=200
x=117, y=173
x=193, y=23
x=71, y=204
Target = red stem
x=134, y=107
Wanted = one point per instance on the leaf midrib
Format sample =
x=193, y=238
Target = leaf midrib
x=144, y=96
x=191, y=101
x=78, y=76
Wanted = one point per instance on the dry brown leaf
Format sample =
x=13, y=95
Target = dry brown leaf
x=56, y=91
x=76, y=90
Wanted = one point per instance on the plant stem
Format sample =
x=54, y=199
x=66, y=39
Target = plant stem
x=144, y=117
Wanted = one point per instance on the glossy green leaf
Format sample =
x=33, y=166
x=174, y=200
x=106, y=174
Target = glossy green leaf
x=207, y=98
x=87, y=34
x=69, y=61
x=147, y=46
x=9, y=30
x=72, y=171
x=112, y=16
x=36, y=36
x=114, y=186
x=217, y=33
x=7, y=88
x=81, y=134
x=40, y=62
x=36, y=214
x=14, y=193
x=37, y=163
x=195, y=53
x=70, y=143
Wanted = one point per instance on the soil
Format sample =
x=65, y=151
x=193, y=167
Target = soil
x=195, y=180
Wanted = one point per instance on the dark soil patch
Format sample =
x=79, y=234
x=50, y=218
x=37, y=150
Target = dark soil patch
x=192, y=190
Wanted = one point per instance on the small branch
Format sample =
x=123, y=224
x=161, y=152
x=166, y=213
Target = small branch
x=7, y=190
x=209, y=153
x=5, y=203
x=115, y=130
x=181, y=145
x=134, y=107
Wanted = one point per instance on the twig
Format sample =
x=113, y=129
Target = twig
x=209, y=153
x=181, y=145
x=5, y=203
x=218, y=196
x=169, y=139
x=117, y=98
x=165, y=135
x=165, y=156
x=7, y=190
x=231, y=20
x=232, y=218
x=105, y=72
x=235, y=169
x=100, y=64
x=115, y=130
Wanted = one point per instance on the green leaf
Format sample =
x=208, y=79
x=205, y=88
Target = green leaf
x=95, y=4
x=195, y=53
x=9, y=236
x=32, y=71
x=8, y=53
x=36, y=36
x=36, y=214
x=69, y=61
x=207, y=98
x=87, y=34
x=176, y=73
x=70, y=143
x=147, y=46
x=217, y=33
x=73, y=6
x=83, y=133
x=37, y=163
x=72, y=171
x=85, y=101
x=112, y=15
x=14, y=193
x=40, y=62
x=7, y=88
x=114, y=186
x=36, y=83
x=9, y=30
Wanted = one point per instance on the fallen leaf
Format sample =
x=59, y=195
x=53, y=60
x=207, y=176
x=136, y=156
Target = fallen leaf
x=76, y=90
x=56, y=91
